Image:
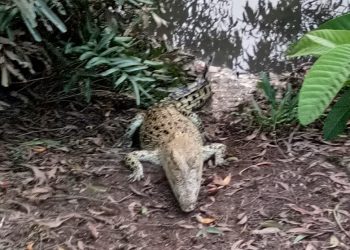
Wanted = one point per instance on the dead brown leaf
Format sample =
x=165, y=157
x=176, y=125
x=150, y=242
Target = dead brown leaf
x=93, y=230
x=253, y=135
x=304, y=211
x=203, y=220
x=267, y=230
x=301, y=230
x=51, y=174
x=38, y=174
x=30, y=245
x=39, y=149
x=243, y=218
x=135, y=191
x=222, y=182
x=339, y=178
x=81, y=245
x=54, y=223
x=310, y=247
x=334, y=241
x=236, y=245
x=186, y=226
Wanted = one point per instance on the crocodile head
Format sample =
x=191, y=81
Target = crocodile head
x=183, y=166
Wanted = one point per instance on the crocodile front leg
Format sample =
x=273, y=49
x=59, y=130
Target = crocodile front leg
x=217, y=150
x=126, y=139
x=133, y=161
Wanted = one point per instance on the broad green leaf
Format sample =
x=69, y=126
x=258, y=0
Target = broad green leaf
x=145, y=92
x=322, y=82
x=133, y=2
x=136, y=68
x=127, y=61
x=122, y=39
x=43, y=8
x=95, y=62
x=129, y=64
x=145, y=1
x=321, y=41
x=120, y=80
x=110, y=71
x=136, y=91
x=313, y=43
x=214, y=230
x=338, y=23
x=87, y=55
x=143, y=79
x=338, y=117
x=112, y=50
x=153, y=63
x=106, y=39
x=4, y=23
x=33, y=32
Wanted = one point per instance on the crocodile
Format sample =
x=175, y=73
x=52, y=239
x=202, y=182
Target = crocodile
x=170, y=136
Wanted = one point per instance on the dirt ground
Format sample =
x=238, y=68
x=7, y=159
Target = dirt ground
x=63, y=186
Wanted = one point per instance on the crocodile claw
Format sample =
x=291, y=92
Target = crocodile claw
x=135, y=176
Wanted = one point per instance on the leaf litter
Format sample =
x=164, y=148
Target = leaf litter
x=76, y=198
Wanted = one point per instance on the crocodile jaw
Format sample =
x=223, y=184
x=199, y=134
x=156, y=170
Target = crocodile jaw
x=184, y=173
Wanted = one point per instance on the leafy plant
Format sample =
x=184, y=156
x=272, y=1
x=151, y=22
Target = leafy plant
x=15, y=54
x=109, y=56
x=278, y=111
x=104, y=45
x=329, y=74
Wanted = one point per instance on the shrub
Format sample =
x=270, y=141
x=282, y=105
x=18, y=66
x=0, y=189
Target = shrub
x=103, y=43
x=330, y=43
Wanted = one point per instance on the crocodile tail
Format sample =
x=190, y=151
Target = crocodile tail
x=194, y=96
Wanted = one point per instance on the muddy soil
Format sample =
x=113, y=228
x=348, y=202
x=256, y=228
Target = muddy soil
x=63, y=185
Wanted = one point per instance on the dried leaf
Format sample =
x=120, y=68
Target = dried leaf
x=158, y=20
x=334, y=241
x=222, y=182
x=243, y=220
x=81, y=245
x=93, y=230
x=253, y=135
x=39, y=149
x=144, y=210
x=236, y=245
x=204, y=221
x=30, y=245
x=268, y=230
x=270, y=223
x=38, y=174
x=339, y=178
x=54, y=223
x=51, y=174
x=310, y=247
x=303, y=211
x=284, y=185
x=301, y=230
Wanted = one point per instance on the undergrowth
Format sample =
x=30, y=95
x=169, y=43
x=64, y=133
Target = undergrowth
x=85, y=44
x=275, y=113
